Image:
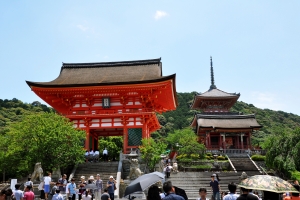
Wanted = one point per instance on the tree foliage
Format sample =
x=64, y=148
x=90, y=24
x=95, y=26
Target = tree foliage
x=185, y=142
x=151, y=151
x=43, y=137
x=14, y=110
x=283, y=151
x=113, y=144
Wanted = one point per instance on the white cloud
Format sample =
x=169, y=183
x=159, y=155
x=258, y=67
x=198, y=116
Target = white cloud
x=266, y=100
x=159, y=14
x=82, y=27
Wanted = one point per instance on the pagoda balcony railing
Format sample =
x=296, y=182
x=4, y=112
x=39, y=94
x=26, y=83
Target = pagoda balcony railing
x=236, y=151
x=99, y=112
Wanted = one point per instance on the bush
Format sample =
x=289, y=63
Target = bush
x=207, y=157
x=295, y=175
x=181, y=156
x=194, y=156
x=204, y=167
x=209, y=154
x=258, y=158
x=186, y=160
x=221, y=158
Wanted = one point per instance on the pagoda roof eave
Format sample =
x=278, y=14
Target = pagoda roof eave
x=213, y=94
x=227, y=122
x=47, y=85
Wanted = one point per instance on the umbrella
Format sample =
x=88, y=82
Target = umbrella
x=267, y=183
x=90, y=186
x=143, y=182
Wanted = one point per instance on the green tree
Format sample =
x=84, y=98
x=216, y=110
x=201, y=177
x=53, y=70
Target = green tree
x=283, y=152
x=185, y=142
x=43, y=137
x=113, y=144
x=151, y=151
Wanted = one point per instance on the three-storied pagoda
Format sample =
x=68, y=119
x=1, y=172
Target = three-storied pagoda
x=216, y=126
x=111, y=98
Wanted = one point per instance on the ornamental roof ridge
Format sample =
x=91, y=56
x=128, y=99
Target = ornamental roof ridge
x=111, y=64
x=217, y=92
x=228, y=116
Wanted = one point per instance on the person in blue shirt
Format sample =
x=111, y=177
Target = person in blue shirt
x=72, y=189
x=170, y=192
x=215, y=187
x=111, y=187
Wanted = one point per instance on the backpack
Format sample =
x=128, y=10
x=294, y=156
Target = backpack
x=168, y=169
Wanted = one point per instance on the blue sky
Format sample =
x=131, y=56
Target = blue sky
x=254, y=44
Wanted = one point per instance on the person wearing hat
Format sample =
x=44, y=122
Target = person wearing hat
x=99, y=185
x=91, y=180
x=111, y=187
x=82, y=184
x=215, y=187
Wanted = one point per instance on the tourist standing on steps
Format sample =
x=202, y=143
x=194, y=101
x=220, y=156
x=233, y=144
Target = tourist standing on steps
x=215, y=187
x=99, y=185
x=28, y=194
x=28, y=183
x=57, y=196
x=111, y=187
x=246, y=196
x=81, y=187
x=153, y=193
x=232, y=195
x=72, y=190
x=105, y=195
x=202, y=194
x=62, y=184
x=47, y=182
x=170, y=192
x=105, y=154
x=18, y=193
x=53, y=191
x=168, y=170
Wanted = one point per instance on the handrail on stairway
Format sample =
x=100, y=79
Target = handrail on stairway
x=231, y=163
x=254, y=164
x=119, y=173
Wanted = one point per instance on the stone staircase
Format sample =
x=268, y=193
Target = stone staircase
x=244, y=164
x=192, y=181
x=105, y=169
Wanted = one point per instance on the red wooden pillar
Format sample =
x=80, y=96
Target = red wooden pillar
x=87, y=138
x=125, y=139
x=237, y=142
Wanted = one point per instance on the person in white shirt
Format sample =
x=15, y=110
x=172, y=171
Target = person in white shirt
x=96, y=155
x=91, y=155
x=86, y=155
x=47, y=182
x=232, y=195
x=105, y=155
x=87, y=196
x=202, y=194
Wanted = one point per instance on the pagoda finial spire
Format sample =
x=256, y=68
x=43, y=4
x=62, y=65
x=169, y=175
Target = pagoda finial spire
x=212, y=86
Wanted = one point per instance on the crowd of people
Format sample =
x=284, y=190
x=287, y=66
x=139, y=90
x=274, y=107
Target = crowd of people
x=89, y=189
x=170, y=192
x=94, y=156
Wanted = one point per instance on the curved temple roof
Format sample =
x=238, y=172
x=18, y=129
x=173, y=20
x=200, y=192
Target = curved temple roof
x=107, y=73
x=227, y=121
